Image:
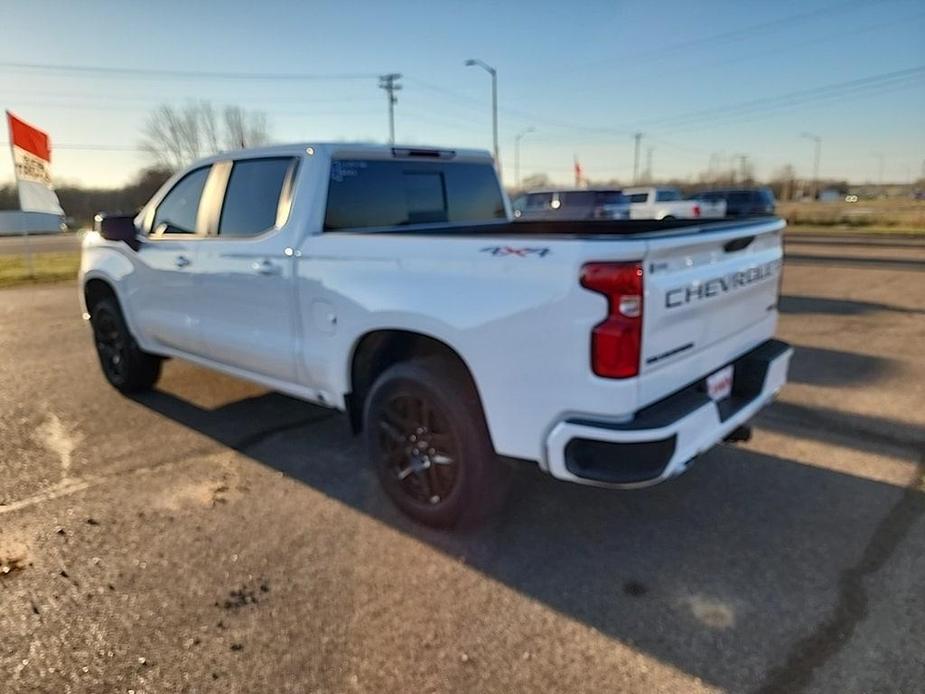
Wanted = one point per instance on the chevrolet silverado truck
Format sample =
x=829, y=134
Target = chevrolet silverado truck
x=392, y=284
x=666, y=202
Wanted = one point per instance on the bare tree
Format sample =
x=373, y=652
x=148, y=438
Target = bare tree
x=162, y=138
x=783, y=182
x=537, y=180
x=245, y=128
x=209, y=123
x=174, y=136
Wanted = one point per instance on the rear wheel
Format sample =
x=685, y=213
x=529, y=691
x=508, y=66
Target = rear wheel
x=426, y=435
x=125, y=365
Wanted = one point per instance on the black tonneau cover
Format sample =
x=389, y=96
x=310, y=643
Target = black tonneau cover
x=583, y=229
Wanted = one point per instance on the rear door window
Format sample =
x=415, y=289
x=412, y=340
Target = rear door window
x=376, y=193
x=539, y=201
x=639, y=197
x=252, y=197
x=177, y=212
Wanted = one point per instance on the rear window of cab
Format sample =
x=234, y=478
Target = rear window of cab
x=366, y=194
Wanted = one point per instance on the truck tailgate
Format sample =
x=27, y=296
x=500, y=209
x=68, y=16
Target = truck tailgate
x=703, y=289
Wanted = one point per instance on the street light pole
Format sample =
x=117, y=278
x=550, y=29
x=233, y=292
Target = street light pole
x=517, y=138
x=494, y=105
x=818, y=152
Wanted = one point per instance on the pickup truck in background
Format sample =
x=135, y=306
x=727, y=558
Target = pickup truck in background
x=391, y=284
x=665, y=202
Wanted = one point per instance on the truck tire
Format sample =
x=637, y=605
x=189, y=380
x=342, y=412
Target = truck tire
x=427, y=437
x=127, y=368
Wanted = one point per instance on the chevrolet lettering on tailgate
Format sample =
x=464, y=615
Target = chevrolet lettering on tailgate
x=720, y=285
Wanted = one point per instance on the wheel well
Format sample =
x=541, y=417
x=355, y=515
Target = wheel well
x=377, y=351
x=96, y=290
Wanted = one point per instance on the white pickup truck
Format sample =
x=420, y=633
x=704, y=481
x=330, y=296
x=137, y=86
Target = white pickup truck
x=390, y=283
x=666, y=202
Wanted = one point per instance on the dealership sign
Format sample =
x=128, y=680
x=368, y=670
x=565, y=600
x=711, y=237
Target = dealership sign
x=32, y=162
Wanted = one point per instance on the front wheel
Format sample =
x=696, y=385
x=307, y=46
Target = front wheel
x=426, y=435
x=125, y=365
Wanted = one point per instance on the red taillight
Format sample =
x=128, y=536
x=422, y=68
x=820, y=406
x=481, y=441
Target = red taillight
x=696, y=210
x=616, y=342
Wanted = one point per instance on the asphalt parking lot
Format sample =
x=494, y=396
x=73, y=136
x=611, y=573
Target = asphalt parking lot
x=213, y=536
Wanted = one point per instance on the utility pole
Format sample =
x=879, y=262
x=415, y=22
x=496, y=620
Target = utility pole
x=649, y=177
x=818, y=152
x=494, y=106
x=390, y=84
x=637, y=137
x=743, y=165
x=712, y=167
x=517, y=138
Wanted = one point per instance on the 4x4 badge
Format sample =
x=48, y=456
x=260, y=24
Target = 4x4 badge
x=519, y=252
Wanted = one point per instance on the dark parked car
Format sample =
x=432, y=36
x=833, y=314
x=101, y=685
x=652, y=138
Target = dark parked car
x=741, y=202
x=583, y=203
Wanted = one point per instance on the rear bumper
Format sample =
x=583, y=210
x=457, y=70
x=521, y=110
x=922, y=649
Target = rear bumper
x=660, y=441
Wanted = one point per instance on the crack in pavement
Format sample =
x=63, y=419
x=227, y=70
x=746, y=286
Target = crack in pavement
x=814, y=650
x=72, y=485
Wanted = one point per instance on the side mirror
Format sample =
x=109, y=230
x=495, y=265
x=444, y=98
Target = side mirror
x=117, y=227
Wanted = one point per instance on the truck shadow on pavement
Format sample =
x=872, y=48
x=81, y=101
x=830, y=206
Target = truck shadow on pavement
x=854, y=261
x=820, y=366
x=731, y=572
x=801, y=305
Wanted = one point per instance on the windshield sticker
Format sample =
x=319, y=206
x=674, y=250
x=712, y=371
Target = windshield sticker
x=344, y=168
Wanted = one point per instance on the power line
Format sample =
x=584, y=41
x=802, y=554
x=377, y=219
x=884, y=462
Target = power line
x=749, y=115
x=199, y=97
x=147, y=109
x=798, y=96
x=103, y=71
x=90, y=147
x=752, y=54
x=731, y=35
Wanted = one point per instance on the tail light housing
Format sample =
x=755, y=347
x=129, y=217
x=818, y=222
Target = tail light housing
x=696, y=210
x=616, y=342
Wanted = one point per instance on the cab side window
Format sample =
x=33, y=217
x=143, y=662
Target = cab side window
x=177, y=212
x=252, y=198
x=667, y=196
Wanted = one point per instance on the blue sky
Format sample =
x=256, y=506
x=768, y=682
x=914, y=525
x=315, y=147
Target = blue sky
x=585, y=75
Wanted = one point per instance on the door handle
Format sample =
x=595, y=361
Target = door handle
x=182, y=261
x=265, y=267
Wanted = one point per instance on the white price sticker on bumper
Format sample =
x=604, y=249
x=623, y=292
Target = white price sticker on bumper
x=719, y=384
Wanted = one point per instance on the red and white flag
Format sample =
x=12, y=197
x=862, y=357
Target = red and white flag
x=32, y=162
x=578, y=172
